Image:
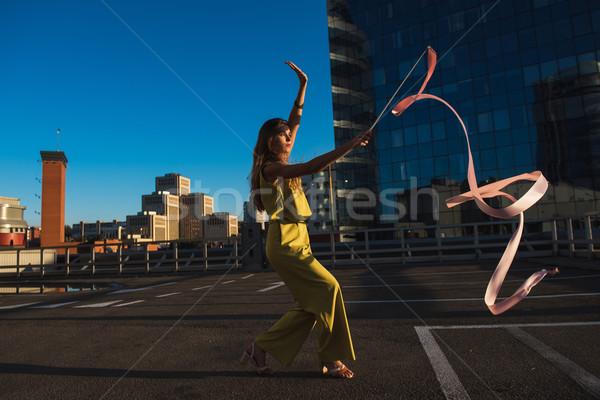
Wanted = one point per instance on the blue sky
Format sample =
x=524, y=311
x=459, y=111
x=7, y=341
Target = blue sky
x=126, y=116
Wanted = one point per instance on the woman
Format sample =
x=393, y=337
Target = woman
x=276, y=188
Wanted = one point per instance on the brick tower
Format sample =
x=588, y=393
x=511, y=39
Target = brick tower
x=53, y=198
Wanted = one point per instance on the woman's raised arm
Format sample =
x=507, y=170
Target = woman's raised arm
x=296, y=113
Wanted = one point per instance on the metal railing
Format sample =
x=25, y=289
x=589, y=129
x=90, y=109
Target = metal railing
x=570, y=236
x=96, y=259
x=573, y=236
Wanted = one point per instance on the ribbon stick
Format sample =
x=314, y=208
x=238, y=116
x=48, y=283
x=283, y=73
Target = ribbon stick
x=397, y=90
x=477, y=194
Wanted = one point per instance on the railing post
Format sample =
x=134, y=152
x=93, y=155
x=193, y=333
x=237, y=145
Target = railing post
x=18, y=263
x=41, y=261
x=588, y=237
x=554, y=238
x=438, y=235
x=147, y=258
x=402, y=245
x=235, y=253
x=176, y=256
x=205, y=245
x=93, y=258
x=120, y=252
x=67, y=269
x=570, y=237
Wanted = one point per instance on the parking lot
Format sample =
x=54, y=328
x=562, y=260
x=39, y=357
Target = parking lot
x=419, y=331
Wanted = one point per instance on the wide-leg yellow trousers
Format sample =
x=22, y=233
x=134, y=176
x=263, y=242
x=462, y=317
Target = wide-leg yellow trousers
x=317, y=294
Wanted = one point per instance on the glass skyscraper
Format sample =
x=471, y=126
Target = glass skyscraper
x=523, y=75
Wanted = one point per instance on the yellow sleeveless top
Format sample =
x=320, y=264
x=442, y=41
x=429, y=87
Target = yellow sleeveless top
x=281, y=203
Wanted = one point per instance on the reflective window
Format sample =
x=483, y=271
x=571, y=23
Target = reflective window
x=488, y=159
x=438, y=130
x=410, y=135
x=424, y=133
x=426, y=168
x=396, y=138
x=501, y=120
x=484, y=122
x=399, y=171
x=506, y=157
x=441, y=166
x=385, y=173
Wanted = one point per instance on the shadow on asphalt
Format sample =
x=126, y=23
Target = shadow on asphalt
x=32, y=369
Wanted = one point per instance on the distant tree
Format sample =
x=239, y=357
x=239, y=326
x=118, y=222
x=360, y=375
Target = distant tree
x=68, y=233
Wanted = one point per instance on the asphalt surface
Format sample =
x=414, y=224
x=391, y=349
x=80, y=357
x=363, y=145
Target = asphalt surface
x=419, y=331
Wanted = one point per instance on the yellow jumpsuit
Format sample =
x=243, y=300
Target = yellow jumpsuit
x=316, y=292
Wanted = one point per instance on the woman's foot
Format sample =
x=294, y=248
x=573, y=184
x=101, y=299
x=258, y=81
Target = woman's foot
x=337, y=369
x=259, y=357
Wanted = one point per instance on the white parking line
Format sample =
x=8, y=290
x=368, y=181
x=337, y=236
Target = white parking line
x=225, y=283
x=56, y=305
x=203, y=287
x=168, y=294
x=530, y=325
x=444, y=372
x=164, y=284
x=131, y=290
x=274, y=285
x=17, y=306
x=98, y=305
x=586, y=380
x=247, y=276
x=128, y=304
x=450, y=383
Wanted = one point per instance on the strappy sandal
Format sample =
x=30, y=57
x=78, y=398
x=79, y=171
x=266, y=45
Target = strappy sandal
x=338, y=372
x=246, y=357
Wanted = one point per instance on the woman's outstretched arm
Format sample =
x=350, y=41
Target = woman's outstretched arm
x=286, y=171
x=296, y=113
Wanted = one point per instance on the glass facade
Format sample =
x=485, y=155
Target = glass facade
x=523, y=74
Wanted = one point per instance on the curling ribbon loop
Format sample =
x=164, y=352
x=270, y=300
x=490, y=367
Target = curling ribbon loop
x=477, y=194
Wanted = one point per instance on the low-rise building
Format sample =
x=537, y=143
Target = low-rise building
x=148, y=225
x=321, y=199
x=167, y=204
x=94, y=230
x=193, y=209
x=221, y=225
x=252, y=215
x=13, y=228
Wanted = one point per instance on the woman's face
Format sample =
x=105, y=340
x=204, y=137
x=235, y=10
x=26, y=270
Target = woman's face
x=282, y=142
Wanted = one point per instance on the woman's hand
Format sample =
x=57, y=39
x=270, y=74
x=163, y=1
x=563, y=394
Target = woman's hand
x=360, y=140
x=301, y=75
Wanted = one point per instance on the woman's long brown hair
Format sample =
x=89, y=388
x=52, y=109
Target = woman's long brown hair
x=262, y=156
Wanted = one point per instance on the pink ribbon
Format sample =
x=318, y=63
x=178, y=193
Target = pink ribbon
x=477, y=194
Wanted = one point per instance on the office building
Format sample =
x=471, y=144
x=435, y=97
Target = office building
x=523, y=75
x=167, y=204
x=221, y=225
x=321, y=199
x=99, y=230
x=252, y=215
x=185, y=215
x=193, y=209
x=148, y=225
x=173, y=183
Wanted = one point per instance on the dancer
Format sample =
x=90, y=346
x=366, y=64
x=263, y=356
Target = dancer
x=276, y=188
